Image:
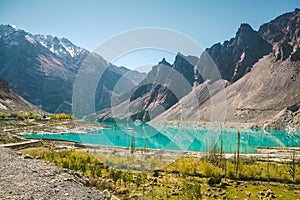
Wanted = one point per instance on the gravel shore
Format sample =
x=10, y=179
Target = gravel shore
x=22, y=177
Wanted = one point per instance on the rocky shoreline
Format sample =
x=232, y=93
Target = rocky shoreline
x=23, y=177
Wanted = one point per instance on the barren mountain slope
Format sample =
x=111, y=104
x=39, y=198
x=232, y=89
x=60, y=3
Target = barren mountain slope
x=10, y=101
x=268, y=96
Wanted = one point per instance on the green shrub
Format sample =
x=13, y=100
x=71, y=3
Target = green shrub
x=61, y=116
x=191, y=190
x=75, y=160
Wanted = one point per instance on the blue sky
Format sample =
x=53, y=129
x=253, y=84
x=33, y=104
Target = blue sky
x=88, y=23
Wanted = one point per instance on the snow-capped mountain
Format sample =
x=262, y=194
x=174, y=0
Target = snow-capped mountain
x=43, y=68
x=59, y=46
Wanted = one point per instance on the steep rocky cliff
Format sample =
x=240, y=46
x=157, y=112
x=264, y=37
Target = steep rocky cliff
x=236, y=57
x=268, y=96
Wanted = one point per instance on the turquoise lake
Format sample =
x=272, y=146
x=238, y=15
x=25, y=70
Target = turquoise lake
x=181, y=138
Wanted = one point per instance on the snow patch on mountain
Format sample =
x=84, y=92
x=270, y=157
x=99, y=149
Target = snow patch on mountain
x=70, y=50
x=30, y=39
x=59, y=46
x=43, y=44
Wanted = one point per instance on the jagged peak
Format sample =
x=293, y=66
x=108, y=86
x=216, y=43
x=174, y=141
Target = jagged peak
x=296, y=12
x=217, y=45
x=8, y=26
x=66, y=41
x=244, y=28
x=56, y=39
x=59, y=46
x=191, y=59
x=245, y=25
x=179, y=56
x=7, y=29
x=164, y=62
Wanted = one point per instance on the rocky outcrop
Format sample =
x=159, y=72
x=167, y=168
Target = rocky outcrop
x=23, y=177
x=268, y=96
x=185, y=65
x=233, y=59
x=236, y=57
x=283, y=33
x=288, y=118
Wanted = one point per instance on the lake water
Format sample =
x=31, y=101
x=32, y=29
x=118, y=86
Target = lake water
x=181, y=138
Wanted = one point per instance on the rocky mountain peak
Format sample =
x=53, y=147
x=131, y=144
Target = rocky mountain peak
x=244, y=28
x=283, y=33
x=6, y=29
x=268, y=96
x=179, y=58
x=46, y=67
x=62, y=47
x=236, y=57
x=164, y=62
x=164, y=85
x=246, y=36
x=185, y=65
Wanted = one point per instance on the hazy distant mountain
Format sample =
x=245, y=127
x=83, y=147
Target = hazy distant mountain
x=164, y=86
x=269, y=95
x=43, y=69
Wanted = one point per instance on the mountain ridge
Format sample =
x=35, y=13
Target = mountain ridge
x=46, y=60
x=266, y=97
x=42, y=69
x=234, y=58
x=164, y=85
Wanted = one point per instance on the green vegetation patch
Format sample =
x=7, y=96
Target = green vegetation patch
x=185, y=178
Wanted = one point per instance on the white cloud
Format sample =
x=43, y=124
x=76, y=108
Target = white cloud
x=14, y=26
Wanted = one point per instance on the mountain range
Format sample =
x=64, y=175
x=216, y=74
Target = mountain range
x=267, y=94
x=43, y=68
x=257, y=81
x=258, y=84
